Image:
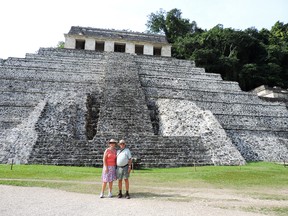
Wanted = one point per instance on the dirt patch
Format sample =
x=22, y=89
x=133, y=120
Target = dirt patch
x=144, y=201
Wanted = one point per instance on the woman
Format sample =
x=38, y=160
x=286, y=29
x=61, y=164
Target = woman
x=109, y=167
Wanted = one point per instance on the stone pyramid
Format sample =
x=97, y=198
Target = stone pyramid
x=60, y=106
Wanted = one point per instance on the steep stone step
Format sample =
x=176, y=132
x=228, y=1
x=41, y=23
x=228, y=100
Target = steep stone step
x=39, y=75
x=97, y=70
x=258, y=110
x=64, y=57
x=21, y=112
x=175, y=74
x=51, y=64
x=256, y=123
x=74, y=53
x=158, y=69
x=206, y=95
x=43, y=86
x=9, y=123
x=172, y=62
x=189, y=84
x=19, y=98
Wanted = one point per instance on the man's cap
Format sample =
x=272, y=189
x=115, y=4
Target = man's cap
x=122, y=141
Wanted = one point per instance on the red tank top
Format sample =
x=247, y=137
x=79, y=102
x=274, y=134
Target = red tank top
x=111, y=157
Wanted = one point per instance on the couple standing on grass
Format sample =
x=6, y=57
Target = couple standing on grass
x=116, y=165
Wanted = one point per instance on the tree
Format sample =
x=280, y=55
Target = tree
x=279, y=33
x=171, y=24
x=61, y=44
x=250, y=57
x=156, y=22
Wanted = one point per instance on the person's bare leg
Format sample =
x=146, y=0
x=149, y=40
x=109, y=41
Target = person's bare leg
x=103, y=189
x=120, y=184
x=127, y=195
x=120, y=188
x=110, y=189
x=126, y=184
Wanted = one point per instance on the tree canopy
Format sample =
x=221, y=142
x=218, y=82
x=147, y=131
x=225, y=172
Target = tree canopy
x=250, y=57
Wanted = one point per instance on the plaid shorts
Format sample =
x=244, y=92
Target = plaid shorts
x=122, y=172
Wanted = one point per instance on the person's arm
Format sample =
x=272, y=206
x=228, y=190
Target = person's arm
x=129, y=161
x=105, y=161
x=129, y=165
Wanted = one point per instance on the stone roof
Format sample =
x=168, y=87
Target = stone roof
x=275, y=89
x=117, y=34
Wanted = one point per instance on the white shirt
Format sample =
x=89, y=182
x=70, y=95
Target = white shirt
x=123, y=156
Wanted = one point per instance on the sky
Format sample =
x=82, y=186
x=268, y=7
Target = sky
x=27, y=25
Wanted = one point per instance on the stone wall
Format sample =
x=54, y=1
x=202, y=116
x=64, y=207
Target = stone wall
x=60, y=106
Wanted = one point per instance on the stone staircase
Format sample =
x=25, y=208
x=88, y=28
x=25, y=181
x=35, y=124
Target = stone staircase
x=254, y=126
x=150, y=151
x=123, y=109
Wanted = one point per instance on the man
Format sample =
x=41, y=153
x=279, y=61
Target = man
x=124, y=162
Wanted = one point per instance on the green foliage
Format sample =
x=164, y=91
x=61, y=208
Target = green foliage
x=171, y=24
x=60, y=44
x=250, y=57
x=156, y=22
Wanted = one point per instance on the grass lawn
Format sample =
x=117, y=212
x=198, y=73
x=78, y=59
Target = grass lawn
x=260, y=181
x=253, y=175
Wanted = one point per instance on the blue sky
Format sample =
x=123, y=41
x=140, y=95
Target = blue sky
x=27, y=25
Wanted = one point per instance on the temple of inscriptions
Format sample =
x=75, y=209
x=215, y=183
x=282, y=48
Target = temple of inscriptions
x=60, y=106
x=117, y=41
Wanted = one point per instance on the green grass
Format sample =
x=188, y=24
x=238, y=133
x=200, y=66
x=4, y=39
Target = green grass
x=262, y=181
x=74, y=179
x=49, y=172
x=269, y=211
x=254, y=175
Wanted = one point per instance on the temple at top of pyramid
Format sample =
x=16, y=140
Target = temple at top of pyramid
x=61, y=106
x=87, y=38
